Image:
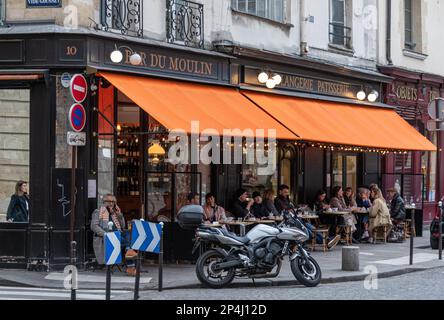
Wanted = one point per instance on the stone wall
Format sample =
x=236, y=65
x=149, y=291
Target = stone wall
x=14, y=143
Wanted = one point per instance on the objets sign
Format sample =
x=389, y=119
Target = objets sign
x=43, y=3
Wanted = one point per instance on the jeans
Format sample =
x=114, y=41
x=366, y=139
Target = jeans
x=310, y=228
x=126, y=245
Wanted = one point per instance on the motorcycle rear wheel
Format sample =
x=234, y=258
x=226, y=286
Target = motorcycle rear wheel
x=207, y=276
x=309, y=273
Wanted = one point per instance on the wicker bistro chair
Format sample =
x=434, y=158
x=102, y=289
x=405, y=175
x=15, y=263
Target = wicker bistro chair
x=324, y=233
x=407, y=228
x=380, y=233
x=345, y=232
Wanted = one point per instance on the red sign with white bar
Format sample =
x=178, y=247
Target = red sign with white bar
x=79, y=88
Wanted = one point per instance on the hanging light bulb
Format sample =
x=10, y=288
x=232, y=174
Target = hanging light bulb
x=135, y=59
x=262, y=77
x=270, y=84
x=373, y=96
x=361, y=95
x=116, y=56
x=277, y=79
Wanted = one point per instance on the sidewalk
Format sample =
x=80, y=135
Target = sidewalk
x=389, y=260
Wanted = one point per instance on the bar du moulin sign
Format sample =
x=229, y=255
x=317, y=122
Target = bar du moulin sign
x=43, y=3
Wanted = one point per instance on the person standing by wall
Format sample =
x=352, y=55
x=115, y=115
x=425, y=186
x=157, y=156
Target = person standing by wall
x=18, y=209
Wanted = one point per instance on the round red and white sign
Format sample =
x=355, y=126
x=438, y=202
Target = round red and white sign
x=77, y=117
x=79, y=88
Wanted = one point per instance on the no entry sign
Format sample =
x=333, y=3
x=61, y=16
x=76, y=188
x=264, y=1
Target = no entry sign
x=77, y=117
x=79, y=88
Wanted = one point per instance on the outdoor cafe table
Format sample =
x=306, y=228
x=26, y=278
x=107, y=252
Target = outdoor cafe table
x=242, y=225
x=360, y=214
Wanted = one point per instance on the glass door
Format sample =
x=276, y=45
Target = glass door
x=344, y=170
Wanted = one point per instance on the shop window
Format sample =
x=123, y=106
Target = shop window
x=412, y=25
x=340, y=23
x=252, y=180
x=269, y=9
x=428, y=169
x=14, y=154
x=105, y=153
x=286, y=167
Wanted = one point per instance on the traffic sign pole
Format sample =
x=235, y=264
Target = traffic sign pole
x=440, y=231
x=72, y=220
x=412, y=228
x=161, y=260
x=136, y=289
x=108, y=282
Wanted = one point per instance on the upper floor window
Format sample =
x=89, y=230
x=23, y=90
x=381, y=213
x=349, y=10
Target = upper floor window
x=269, y=9
x=185, y=23
x=122, y=16
x=412, y=25
x=340, y=18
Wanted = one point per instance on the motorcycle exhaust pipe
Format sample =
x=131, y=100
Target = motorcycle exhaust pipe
x=228, y=264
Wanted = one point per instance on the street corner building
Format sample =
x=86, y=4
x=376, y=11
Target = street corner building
x=346, y=99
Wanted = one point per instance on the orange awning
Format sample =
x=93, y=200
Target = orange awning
x=175, y=104
x=340, y=123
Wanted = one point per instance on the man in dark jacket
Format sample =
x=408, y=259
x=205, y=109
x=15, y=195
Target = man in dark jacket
x=282, y=201
x=240, y=206
x=259, y=209
x=397, y=207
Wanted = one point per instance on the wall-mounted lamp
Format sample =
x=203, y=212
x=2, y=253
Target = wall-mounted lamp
x=361, y=95
x=117, y=56
x=270, y=80
x=373, y=96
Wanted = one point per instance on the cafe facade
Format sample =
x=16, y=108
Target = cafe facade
x=325, y=136
x=410, y=93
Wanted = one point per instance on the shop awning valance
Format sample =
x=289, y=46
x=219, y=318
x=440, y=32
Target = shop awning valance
x=341, y=123
x=175, y=104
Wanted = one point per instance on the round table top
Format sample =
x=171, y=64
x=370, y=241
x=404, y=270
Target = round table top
x=338, y=212
x=235, y=222
x=308, y=216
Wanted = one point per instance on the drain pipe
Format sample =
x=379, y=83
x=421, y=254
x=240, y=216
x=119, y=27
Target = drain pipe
x=302, y=28
x=388, y=33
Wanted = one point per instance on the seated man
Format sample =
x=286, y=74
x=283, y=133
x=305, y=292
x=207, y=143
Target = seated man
x=212, y=211
x=397, y=215
x=258, y=209
x=100, y=225
x=240, y=207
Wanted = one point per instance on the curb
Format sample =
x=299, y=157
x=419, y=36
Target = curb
x=262, y=283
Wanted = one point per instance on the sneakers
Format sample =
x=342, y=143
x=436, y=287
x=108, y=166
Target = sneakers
x=130, y=254
x=131, y=271
x=333, y=242
x=365, y=235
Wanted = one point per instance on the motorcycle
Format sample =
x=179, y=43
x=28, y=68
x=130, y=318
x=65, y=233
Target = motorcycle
x=256, y=254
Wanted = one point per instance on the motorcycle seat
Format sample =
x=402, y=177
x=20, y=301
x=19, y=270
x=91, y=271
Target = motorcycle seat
x=227, y=233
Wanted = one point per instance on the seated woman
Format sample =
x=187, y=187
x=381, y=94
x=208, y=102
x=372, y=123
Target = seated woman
x=349, y=198
x=338, y=201
x=363, y=201
x=379, y=212
x=269, y=202
x=320, y=205
x=212, y=211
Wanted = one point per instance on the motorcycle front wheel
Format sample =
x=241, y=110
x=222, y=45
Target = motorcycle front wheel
x=306, y=271
x=210, y=277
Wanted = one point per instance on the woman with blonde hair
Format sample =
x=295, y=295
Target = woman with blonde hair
x=379, y=212
x=269, y=196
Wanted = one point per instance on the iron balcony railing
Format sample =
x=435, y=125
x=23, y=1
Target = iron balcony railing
x=122, y=16
x=185, y=23
x=340, y=34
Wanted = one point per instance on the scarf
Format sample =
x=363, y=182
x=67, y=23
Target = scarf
x=104, y=215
